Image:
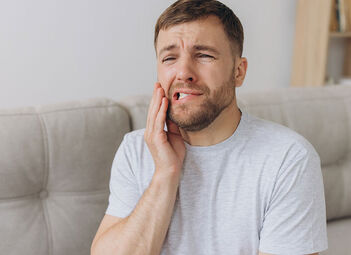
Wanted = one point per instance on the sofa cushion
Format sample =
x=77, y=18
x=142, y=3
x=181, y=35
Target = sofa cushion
x=339, y=233
x=55, y=166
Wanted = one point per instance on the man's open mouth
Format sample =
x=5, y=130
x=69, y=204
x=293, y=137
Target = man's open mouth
x=180, y=98
x=180, y=95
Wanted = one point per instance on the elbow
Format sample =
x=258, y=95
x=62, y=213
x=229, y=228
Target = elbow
x=94, y=248
x=101, y=248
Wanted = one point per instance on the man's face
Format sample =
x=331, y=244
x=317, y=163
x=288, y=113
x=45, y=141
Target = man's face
x=195, y=58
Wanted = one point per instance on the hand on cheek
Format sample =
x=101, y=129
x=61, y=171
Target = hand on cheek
x=167, y=148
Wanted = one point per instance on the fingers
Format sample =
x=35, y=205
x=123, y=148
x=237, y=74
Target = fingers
x=172, y=127
x=154, y=109
x=151, y=106
x=161, y=116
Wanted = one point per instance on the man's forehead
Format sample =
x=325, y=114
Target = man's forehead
x=200, y=32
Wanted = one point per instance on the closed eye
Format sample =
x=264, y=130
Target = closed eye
x=204, y=56
x=168, y=59
x=200, y=55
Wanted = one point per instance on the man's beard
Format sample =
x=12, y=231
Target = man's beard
x=213, y=105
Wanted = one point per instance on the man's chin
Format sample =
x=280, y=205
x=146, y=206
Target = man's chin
x=179, y=121
x=185, y=109
x=190, y=122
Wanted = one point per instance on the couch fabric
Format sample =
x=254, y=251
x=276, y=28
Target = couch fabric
x=55, y=163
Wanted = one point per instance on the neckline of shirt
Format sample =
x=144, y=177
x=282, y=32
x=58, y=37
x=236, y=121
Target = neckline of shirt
x=223, y=144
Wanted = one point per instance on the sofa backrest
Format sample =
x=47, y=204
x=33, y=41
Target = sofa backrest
x=55, y=166
x=321, y=114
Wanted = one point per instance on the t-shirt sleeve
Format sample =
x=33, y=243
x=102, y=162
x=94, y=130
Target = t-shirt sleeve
x=124, y=193
x=295, y=220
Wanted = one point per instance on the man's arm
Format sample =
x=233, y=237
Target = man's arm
x=144, y=230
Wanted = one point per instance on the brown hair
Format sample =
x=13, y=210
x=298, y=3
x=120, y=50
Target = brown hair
x=184, y=11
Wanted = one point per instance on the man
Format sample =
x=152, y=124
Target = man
x=218, y=180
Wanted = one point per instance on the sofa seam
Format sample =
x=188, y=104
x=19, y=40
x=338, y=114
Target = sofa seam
x=116, y=104
x=54, y=193
x=18, y=114
x=79, y=193
x=45, y=182
x=19, y=198
x=81, y=108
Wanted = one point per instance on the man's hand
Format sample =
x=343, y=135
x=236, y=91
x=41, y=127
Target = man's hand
x=167, y=148
x=145, y=229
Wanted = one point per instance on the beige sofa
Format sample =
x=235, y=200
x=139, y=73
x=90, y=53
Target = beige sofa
x=55, y=163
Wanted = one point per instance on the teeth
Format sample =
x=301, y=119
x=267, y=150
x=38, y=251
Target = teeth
x=182, y=95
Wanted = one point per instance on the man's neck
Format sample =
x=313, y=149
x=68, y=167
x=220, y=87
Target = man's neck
x=219, y=130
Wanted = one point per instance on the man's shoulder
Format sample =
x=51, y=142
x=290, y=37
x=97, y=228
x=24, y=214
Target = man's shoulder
x=272, y=129
x=134, y=145
x=134, y=139
x=278, y=135
x=137, y=134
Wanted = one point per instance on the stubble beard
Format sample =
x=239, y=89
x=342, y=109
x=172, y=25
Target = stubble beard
x=201, y=117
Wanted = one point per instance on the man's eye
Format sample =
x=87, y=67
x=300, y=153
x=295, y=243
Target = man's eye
x=204, y=56
x=167, y=59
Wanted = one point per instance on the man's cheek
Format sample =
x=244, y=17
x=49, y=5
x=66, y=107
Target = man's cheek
x=167, y=77
x=167, y=89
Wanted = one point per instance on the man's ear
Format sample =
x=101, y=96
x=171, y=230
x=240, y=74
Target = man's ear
x=240, y=71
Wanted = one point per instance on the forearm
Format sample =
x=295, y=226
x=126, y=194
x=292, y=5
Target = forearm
x=144, y=230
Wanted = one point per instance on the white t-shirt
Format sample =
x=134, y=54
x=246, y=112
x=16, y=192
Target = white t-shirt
x=259, y=190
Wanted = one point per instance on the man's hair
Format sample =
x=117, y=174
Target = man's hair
x=183, y=11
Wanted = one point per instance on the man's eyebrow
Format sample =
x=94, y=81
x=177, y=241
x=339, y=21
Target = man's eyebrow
x=167, y=48
x=206, y=48
x=196, y=47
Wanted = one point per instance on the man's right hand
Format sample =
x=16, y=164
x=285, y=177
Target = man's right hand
x=145, y=229
x=167, y=148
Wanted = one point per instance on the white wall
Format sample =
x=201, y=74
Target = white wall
x=59, y=50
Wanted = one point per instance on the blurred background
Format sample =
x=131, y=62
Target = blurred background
x=53, y=51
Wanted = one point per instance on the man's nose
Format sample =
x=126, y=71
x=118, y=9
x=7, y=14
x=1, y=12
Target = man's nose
x=186, y=71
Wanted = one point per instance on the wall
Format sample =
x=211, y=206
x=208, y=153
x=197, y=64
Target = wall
x=53, y=51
